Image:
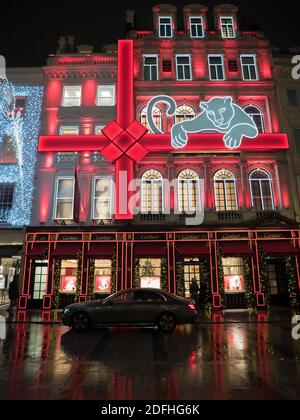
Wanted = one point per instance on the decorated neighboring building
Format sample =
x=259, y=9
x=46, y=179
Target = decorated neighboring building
x=195, y=108
x=20, y=112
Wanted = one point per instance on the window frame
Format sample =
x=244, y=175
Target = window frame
x=296, y=98
x=64, y=98
x=69, y=127
x=143, y=113
x=190, y=67
x=164, y=24
x=94, y=198
x=7, y=208
x=224, y=181
x=260, y=180
x=98, y=97
x=260, y=112
x=151, y=66
x=223, y=67
x=188, y=181
x=196, y=25
x=254, y=56
x=57, y=199
x=152, y=181
x=233, y=27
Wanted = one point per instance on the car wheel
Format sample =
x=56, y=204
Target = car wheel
x=81, y=322
x=166, y=323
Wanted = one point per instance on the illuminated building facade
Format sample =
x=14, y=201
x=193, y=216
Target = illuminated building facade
x=20, y=116
x=87, y=241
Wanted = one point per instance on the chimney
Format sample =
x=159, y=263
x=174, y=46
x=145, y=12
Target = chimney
x=130, y=21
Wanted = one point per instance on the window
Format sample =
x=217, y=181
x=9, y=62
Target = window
x=227, y=27
x=233, y=269
x=102, y=201
x=40, y=279
x=150, y=67
x=261, y=190
x=6, y=201
x=102, y=273
x=191, y=271
x=106, y=95
x=167, y=66
x=183, y=67
x=145, y=296
x=20, y=105
x=165, y=27
x=188, y=191
x=196, y=27
x=257, y=116
x=157, y=118
x=225, y=191
x=292, y=97
x=249, y=67
x=98, y=129
x=68, y=276
x=216, y=67
x=72, y=96
x=273, y=280
x=64, y=204
x=184, y=113
x=68, y=130
x=8, y=150
x=152, y=192
x=297, y=139
x=150, y=272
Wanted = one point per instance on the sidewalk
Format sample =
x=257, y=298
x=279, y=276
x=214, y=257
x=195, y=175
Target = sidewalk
x=274, y=315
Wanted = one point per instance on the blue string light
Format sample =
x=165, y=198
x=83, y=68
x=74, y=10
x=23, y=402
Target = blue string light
x=22, y=173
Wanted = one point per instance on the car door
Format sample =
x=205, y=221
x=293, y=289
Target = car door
x=117, y=310
x=146, y=306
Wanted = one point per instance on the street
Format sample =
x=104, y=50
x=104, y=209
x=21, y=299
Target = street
x=239, y=356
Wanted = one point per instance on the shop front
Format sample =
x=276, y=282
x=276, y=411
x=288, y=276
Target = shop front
x=11, y=247
x=233, y=269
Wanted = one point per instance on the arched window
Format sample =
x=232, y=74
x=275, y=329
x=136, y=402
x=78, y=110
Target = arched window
x=152, y=192
x=225, y=191
x=184, y=113
x=261, y=190
x=157, y=118
x=257, y=116
x=188, y=191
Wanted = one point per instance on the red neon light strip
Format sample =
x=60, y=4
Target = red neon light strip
x=162, y=143
x=125, y=113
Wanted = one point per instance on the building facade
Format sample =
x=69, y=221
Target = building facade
x=20, y=113
x=133, y=192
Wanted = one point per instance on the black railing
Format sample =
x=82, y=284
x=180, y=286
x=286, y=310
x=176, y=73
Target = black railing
x=152, y=217
x=225, y=216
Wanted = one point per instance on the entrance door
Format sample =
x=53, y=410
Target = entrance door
x=39, y=283
x=191, y=271
x=277, y=281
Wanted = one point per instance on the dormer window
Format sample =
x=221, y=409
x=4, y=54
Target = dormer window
x=165, y=25
x=227, y=27
x=196, y=27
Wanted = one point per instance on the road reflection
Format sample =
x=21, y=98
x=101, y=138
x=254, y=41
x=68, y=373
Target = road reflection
x=204, y=361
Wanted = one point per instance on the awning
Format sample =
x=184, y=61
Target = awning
x=150, y=250
x=101, y=250
x=10, y=251
x=280, y=248
x=193, y=249
x=38, y=250
x=64, y=250
x=236, y=249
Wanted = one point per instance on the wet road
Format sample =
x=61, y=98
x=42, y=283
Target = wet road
x=232, y=360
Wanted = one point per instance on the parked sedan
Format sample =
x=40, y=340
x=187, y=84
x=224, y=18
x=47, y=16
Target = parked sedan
x=132, y=307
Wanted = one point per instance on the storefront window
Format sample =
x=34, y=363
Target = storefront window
x=103, y=276
x=191, y=271
x=68, y=276
x=233, y=275
x=150, y=272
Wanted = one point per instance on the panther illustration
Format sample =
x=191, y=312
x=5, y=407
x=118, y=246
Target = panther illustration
x=219, y=114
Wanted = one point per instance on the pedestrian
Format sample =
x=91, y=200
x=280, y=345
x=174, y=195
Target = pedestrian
x=13, y=293
x=202, y=295
x=194, y=291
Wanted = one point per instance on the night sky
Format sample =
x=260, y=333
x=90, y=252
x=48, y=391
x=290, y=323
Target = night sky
x=29, y=33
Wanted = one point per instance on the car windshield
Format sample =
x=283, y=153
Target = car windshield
x=145, y=296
